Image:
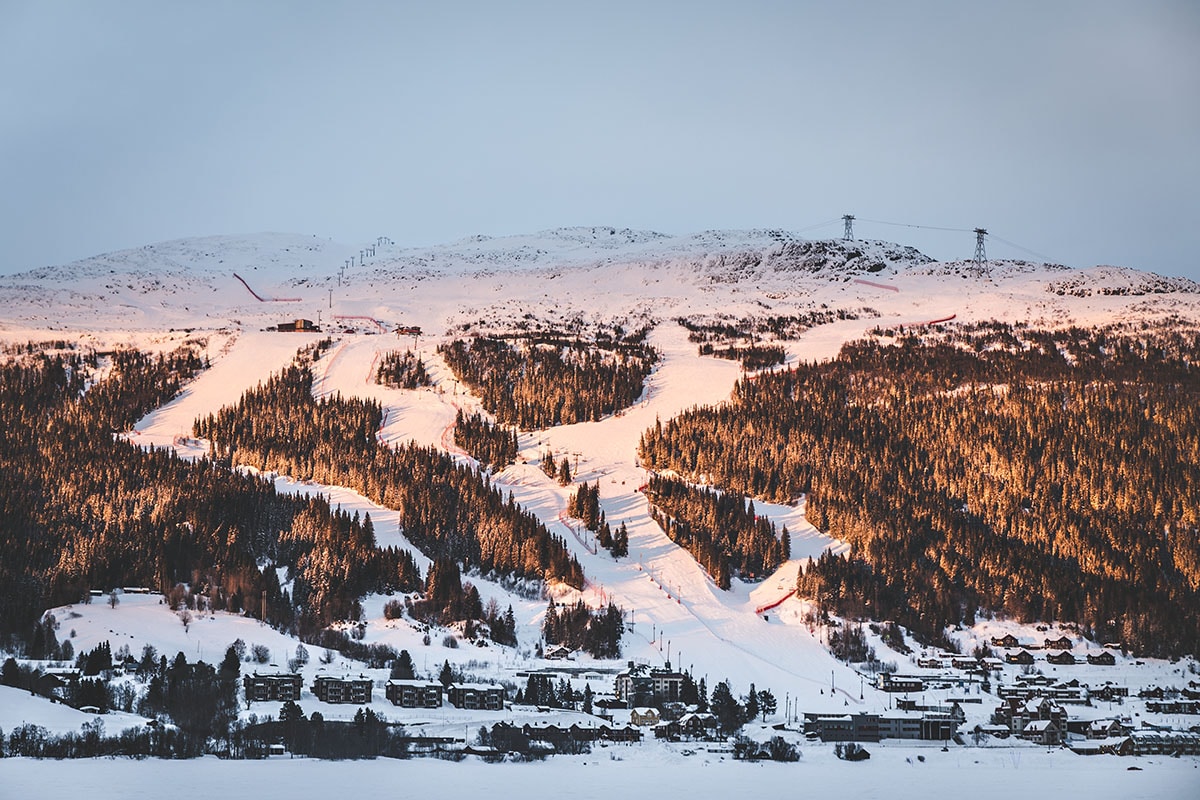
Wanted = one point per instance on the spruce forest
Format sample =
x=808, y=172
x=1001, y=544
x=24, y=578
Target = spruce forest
x=550, y=382
x=1039, y=474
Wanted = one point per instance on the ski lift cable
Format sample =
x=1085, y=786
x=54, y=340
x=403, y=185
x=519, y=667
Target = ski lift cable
x=909, y=225
x=1033, y=253
x=819, y=225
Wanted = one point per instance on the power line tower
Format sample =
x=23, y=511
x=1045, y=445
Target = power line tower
x=849, y=220
x=980, y=255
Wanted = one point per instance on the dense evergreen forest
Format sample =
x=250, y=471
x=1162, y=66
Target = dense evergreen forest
x=446, y=508
x=719, y=529
x=82, y=509
x=491, y=445
x=402, y=371
x=1040, y=474
x=539, y=384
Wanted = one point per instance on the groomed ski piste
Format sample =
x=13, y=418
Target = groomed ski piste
x=674, y=610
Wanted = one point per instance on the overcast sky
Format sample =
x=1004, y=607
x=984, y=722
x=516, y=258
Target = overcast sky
x=1069, y=129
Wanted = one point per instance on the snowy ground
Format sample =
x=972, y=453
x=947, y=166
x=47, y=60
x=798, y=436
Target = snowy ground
x=894, y=773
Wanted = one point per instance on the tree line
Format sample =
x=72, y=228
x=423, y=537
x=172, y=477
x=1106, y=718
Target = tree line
x=1036, y=473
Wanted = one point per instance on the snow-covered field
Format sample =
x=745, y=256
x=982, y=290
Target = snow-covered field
x=623, y=771
x=160, y=295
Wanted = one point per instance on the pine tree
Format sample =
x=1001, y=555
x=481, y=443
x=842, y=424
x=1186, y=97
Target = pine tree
x=564, y=472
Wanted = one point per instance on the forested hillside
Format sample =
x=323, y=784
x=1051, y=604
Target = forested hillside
x=1043, y=474
x=81, y=509
x=446, y=508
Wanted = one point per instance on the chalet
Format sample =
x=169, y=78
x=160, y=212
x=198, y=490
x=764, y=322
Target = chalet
x=934, y=661
x=488, y=697
x=1061, y=643
x=991, y=663
x=1007, y=640
x=278, y=686
x=627, y=733
x=698, y=726
x=1109, y=692
x=1019, y=657
x=329, y=689
x=414, y=693
x=644, y=716
x=556, y=652
x=1103, y=658
x=1042, y=731
x=408, y=330
x=964, y=662
x=1018, y=714
x=888, y=682
x=1061, y=657
x=640, y=686
x=1104, y=729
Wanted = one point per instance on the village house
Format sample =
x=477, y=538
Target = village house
x=329, y=689
x=414, y=694
x=1018, y=714
x=1019, y=657
x=1103, y=658
x=964, y=662
x=1007, y=640
x=1104, y=729
x=1061, y=643
x=1042, y=731
x=556, y=652
x=487, y=697
x=1062, y=657
x=279, y=686
x=644, y=716
x=1109, y=691
x=698, y=726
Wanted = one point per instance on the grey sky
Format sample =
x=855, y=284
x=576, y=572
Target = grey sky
x=1071, y=129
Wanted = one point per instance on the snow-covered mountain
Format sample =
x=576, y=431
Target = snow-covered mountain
x=253, y=281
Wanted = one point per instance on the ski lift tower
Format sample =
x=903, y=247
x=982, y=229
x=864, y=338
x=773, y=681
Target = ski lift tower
x=980, y=253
